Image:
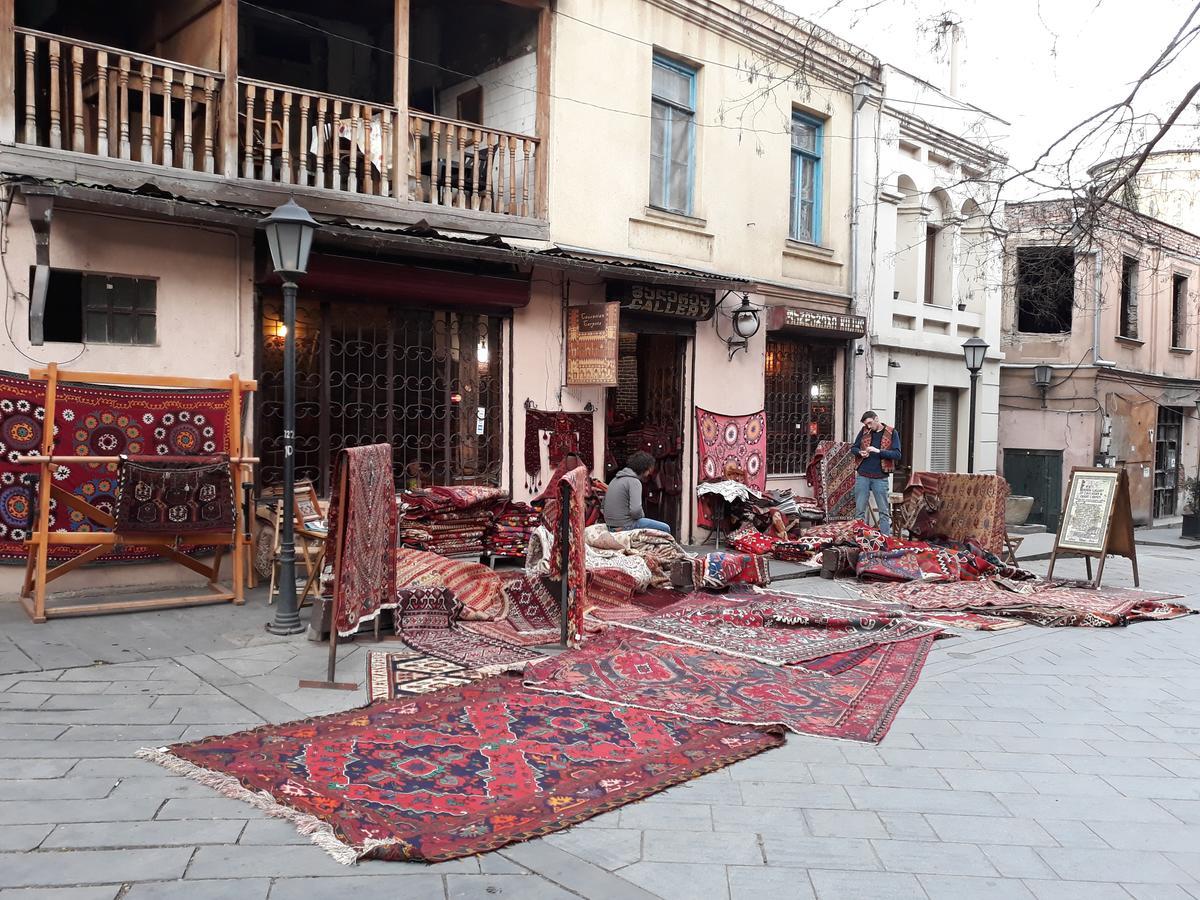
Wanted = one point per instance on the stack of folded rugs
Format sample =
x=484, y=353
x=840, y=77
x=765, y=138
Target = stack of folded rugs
x=449, y=521
x=508, y=534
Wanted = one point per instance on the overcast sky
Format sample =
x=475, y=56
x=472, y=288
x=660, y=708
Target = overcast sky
x=1042, y=66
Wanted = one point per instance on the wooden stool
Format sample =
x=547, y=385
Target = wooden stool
x=1012, y=543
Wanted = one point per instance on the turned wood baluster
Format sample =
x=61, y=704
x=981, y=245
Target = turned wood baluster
x=268, y=167
x=102, y=104
x=321, y=142
x=477, y=180
x=248, y=152
x=460, y=187
x=305, y=141
x=496, y=194
x=285, y=165
x=512, y=175
x=385, y=177
x=335, y=143
x=415, y=190
x=31, y=135
x=368, y=143
x=189, y=156
x=123, y=112
x=435, y=179
x=55, y=89
x=526, y=171
x=355, y=122
x=168, y=127
x=77, y=137
x=147, y=77
x=210, y=87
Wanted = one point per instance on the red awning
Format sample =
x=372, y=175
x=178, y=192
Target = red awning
x=396, y=283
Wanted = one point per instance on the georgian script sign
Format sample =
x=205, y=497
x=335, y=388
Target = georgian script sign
x=661, y=300
x=1089, y=507
x=838, y=324
x=592, y=344
x=1097, y=521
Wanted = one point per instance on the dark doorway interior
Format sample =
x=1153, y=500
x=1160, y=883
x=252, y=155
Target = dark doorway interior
x=1037, y=474
x=645, y=412
x=906, y=395
x=1168, y=439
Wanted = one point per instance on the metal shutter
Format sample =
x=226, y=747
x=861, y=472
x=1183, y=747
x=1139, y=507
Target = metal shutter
x=943, y=427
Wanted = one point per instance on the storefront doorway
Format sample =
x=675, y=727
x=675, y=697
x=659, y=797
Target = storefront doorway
x=645, y=412
x=1168, y=437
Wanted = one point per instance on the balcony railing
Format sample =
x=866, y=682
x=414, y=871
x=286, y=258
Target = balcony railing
x=102, y=101
x=88, y=98
x=466, y=166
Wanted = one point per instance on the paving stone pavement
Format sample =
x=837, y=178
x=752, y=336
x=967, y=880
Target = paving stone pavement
x=1030, y=763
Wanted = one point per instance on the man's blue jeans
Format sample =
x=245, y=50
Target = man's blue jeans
x=863, y=488
x=648, y=523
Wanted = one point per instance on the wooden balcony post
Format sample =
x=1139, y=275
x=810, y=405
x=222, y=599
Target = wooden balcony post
x=55, y=96
x=8, y=74
x=227, y=134
x=189, y=157
x=30, y=90
x=103, y=99
x=404, y=144
x=78, y=139
x=541, y=128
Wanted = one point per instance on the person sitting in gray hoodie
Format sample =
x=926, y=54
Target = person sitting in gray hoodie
x=623, y=502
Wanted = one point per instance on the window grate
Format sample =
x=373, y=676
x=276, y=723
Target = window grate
x=799, y=400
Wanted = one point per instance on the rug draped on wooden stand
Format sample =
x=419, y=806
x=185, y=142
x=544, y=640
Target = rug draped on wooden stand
x=459, y=772
x=427, y=620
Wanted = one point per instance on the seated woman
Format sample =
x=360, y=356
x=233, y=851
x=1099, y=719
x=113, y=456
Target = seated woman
x=623, y=502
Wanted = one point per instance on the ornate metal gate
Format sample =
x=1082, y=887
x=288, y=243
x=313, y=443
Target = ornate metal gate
x=799, y=400
x=427, y=382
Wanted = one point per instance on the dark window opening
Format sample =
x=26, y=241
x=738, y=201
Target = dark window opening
x=99, y=309
x=1129, y=300
x=931, y=239
x=1179, y=292
x=800, y=403
x=1045, y=289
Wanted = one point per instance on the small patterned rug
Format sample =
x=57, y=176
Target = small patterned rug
x=777, y=629
x=427, y=620
x=632, y=670
x=459, y=772
x=532, y=609
x=410, y=673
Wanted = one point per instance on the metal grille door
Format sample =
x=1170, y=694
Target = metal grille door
x=799, y=399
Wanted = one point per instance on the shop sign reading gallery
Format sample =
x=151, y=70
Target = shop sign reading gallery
x=663, y=300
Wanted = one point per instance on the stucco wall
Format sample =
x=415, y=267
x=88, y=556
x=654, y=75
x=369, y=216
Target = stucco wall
x=204, y=325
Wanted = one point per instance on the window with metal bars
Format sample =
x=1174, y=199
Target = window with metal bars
x=426, y=381
x=799, y=399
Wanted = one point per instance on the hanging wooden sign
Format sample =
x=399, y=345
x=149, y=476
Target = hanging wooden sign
x=1097, y=521
x=593, y=337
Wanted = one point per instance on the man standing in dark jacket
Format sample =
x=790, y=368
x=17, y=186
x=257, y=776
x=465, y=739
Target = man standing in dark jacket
x=878, y=451
x=623, y=501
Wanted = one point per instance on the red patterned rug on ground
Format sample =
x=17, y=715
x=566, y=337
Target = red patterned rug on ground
x=967, y=620
x=628, y=669
x=1047, y=604
x=777, y=629
x=91, y=421
x=459, y=772
x=719, y=570
x=427, y=620
x=741, y=440
x=362, y=535
x=410, y=673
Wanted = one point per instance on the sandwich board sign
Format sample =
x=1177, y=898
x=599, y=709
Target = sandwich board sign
x=1097, y=521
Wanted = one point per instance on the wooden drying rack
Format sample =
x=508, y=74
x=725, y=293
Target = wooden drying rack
x=38, y=572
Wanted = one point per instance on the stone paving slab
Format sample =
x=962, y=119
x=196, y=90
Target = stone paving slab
x=1031, y=763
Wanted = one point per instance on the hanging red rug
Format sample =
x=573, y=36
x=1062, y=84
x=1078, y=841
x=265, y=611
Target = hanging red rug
x=459, y=772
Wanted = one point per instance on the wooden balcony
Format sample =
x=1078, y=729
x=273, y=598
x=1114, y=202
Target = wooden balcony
x=96, y=101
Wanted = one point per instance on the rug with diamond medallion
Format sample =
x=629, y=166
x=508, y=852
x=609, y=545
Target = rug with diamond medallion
x=459, y=772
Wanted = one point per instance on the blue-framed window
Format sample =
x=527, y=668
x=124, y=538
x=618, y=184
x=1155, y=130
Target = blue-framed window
x=807, y=134
x=672, y=135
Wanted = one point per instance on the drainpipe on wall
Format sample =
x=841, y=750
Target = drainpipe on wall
x=861, y=96
x=1098, y=305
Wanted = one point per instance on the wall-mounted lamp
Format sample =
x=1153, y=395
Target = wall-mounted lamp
x=893, y=364
x=1041, y=380
x=859, y=350
x=744, y=321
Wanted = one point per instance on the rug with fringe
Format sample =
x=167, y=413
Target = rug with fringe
x=459, y=772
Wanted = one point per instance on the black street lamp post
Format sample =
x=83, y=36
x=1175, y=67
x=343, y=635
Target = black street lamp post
x=289, y=234
x=974, y=351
